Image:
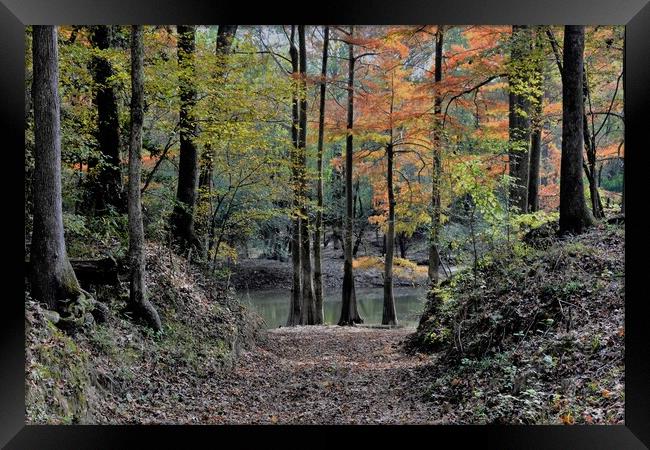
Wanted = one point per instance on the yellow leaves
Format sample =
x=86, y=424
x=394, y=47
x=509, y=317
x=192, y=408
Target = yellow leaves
x=367, y=262
x=407, y=264
x=567, y=419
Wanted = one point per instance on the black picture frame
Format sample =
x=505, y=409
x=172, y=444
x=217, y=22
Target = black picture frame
x=635, y=14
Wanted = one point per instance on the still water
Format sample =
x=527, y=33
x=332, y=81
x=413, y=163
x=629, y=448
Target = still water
x=273, y=305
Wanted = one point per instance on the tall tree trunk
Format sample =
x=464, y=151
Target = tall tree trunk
x=308, y=306
x=588, y=140
x=52, y=278
x=623, y=159
x=318, y=232
x=434, y=237
x=574, y=216
x=362, y=225
x=536, y=135
x=338, y=193
x=389, y=316
x=138, y=292
x=296, y=288
x=225, y=37
x=518, y=118
x=182, y=219
x=535, y=158
x=105, y=180
x=402, y=245
x=349, y=314
x=590, y=149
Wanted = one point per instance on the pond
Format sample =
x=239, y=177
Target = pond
x=273, y=305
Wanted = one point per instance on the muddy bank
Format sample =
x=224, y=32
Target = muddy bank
x=253, y=274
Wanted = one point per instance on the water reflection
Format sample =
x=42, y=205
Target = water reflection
x=273, y=305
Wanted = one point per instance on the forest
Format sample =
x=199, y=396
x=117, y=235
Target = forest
x=300, y=224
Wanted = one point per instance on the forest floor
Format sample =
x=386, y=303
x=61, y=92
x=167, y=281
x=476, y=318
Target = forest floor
x=323, y=375
x=540, y=340
x=213, y=365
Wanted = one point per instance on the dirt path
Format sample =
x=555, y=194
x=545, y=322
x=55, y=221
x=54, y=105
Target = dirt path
x=323, y=375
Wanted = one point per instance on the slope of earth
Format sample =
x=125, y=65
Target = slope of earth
x=213, y=365
x=118, y=371
x=536, y=337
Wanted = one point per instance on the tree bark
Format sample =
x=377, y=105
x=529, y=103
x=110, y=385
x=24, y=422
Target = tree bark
x=389, y=316
x=138, y=291
x=574, y=216
x=53, y=280
x=623, y=159
x=349, y=314
x=533, y=181
x=363, y=225
x=318, y=232
x=308, y=305
x=518, y=118
x=434, y=237
x=90, y=272
x=588, y=140
x=225, y=36
x=105, y=177
x=296, y=288
x=402, y=245
x=182, y=219
x=590, y=149
x=536, y=125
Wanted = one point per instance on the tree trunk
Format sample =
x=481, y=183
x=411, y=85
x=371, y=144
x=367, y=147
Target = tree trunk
x=338, y=193
x=362, y=226
x=623, y=191
x=590, y=149
x=90, y=271
x=225, y=36
x=623, y=159
x=588, y=140
x=537, y=125
x=105, y=178
x=389, y=316
x=318, y=232
x=182, y=220
x=308, y=306
x=349, y=314
x=138, y=291
x=296, y=288
x=574, y=216
x=402, y=245
x=434, y=237
x=308, y=313
x=533, y=181
x=53, y=280
x=518, y=118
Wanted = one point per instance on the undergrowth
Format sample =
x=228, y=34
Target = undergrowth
x=106, y=373
x=535, y=335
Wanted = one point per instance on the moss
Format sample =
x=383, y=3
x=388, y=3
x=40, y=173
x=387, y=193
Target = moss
x=57, y=379
x=103, y=340
x=578, y=249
